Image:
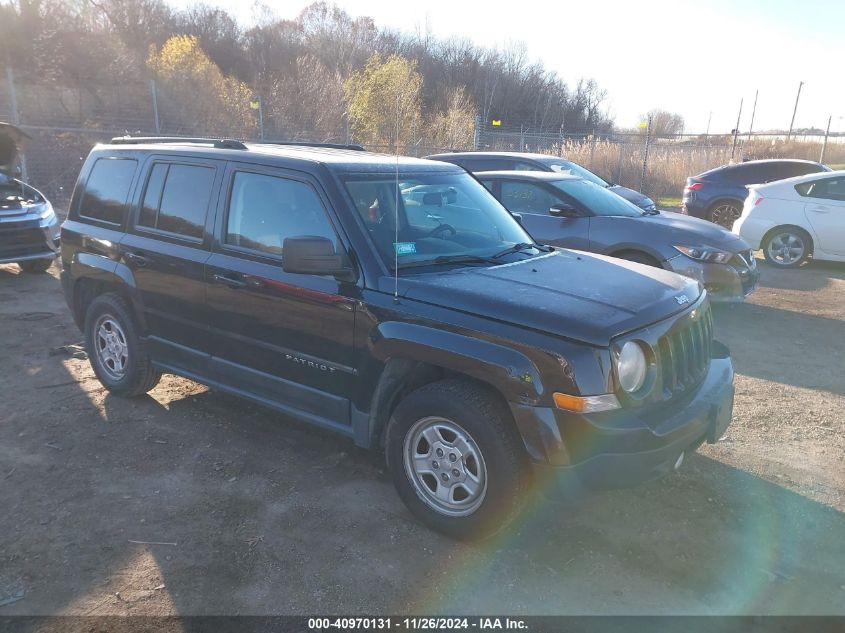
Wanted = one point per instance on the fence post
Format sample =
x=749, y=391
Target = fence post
x=16, y=115
x=260, y=117
x=476, y=137
x=645, y=154
x=826, y=134
x=521, y=137
x=154, y=96
x=621, y=147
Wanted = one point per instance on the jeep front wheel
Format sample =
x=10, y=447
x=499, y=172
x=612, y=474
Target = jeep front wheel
x=456, y=459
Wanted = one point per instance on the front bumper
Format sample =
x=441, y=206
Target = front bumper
x=28, y=239
x=730, y=282
x=625, y=447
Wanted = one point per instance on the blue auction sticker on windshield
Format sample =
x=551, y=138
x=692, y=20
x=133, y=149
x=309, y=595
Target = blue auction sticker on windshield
x=405, y=248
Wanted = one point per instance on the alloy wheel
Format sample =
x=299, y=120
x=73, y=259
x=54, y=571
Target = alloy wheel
x=786, y=248
x=726, y=214
x=111, y=347
x=445, y=466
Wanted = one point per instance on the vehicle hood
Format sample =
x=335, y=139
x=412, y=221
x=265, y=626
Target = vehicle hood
x=572, y=294
x=684, y=230
x=11, y=140
x=639, y=199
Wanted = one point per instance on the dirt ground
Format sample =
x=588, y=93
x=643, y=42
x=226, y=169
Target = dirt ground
x=191, y=502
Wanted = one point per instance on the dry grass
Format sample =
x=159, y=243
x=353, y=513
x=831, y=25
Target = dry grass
x=670, y=163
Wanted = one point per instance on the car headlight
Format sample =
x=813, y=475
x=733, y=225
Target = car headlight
x=46, y=212
x=705, y=254
x=631, y=366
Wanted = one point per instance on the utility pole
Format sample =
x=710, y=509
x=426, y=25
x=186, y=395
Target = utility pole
x=736, y=129
x=794, y=110
x=826, y=134
x=753, y=112
x=154, y=96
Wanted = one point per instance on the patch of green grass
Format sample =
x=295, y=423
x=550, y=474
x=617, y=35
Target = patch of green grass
x=668, y=203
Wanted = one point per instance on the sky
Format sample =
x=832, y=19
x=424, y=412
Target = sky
x=690, y=57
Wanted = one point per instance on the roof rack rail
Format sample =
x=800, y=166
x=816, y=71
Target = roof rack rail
x=219, y=143
x=226, y=143
x=351, y=146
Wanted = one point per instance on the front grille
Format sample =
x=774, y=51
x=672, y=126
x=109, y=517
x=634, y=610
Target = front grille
x=685, y=353
x=21, y=242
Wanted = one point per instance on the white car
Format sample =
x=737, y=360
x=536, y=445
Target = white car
x=793, y=219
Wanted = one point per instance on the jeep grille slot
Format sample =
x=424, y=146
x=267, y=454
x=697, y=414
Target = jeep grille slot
x=685, y=354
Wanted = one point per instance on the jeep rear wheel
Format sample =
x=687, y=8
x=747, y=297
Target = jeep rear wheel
x=117, y=354
x=456, y=459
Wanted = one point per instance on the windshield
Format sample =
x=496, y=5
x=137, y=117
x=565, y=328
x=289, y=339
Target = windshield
x=597, y=199
x=439, y=215
x=572, y=169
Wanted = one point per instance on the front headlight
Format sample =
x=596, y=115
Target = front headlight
x=705, y=254
x=46, y=212
x=631, y=366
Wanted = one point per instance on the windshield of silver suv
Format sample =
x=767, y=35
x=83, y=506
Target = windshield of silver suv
x=442, y=218
x=597, y=199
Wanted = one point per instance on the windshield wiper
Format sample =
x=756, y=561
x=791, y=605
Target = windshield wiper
x=651, y=212
x=522, y=246
x=450, y=259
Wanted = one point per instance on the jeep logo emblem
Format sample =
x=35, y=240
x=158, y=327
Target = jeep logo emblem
x=682, y=299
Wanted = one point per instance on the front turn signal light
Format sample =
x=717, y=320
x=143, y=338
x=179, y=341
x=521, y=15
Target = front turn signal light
x=586, y=404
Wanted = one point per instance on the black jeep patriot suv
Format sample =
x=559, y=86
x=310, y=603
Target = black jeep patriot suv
x=394, y=301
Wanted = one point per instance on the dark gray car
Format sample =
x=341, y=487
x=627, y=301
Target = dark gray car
x=518, y=161
x=569, y=211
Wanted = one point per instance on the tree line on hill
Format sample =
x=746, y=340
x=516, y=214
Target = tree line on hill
x=324, y=75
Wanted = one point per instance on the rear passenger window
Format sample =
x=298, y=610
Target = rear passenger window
x=176, y=199
x=107, y=189
x=264, y=210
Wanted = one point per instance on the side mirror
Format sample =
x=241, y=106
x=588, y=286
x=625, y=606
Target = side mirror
x=311, y=255
x=517, y=217
x=563, y=209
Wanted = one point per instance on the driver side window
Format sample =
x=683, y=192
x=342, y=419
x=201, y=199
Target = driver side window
x=527, y=197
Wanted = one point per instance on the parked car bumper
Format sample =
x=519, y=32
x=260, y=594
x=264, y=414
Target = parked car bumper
x=730, y=282
x=694, y=206
x=752, y=229
x=28, y=239
x=628, y=447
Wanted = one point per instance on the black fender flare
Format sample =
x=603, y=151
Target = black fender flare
x=398, y=349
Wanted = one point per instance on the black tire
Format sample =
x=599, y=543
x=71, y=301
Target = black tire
x=36, y=265
x=138, y=376
x=787, y=236
x=639, y=257
x=725, y=213
x=490, y=428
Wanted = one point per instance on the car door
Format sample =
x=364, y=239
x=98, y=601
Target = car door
x=166, y=248
x=281, y=337
x=825, y=211
x=532, y=200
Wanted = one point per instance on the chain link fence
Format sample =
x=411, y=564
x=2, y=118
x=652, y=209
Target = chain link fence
x=66, y=122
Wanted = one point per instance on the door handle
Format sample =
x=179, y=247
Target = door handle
x=819, y=209
x=229, y=281
x=139, y=260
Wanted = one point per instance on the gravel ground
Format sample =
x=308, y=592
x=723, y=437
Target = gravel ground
x=192, y=502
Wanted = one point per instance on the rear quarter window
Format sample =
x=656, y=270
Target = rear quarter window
x=107, y=190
